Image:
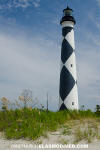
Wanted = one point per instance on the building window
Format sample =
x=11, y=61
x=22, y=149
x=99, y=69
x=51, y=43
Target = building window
x=72, y=103
x=71, y=65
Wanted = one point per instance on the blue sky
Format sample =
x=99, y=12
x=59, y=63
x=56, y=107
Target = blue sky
x=30, y=47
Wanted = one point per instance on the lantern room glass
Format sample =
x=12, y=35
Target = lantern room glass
x=68, y=12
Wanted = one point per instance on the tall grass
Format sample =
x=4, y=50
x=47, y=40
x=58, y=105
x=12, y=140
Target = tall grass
x=33, y=123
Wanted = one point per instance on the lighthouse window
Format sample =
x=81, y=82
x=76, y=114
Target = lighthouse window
x=72, y=103
x=71, y=65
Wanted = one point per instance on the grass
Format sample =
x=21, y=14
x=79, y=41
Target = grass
x=84, y=135
x=33, y=123
x=63, y=141
x=88, y=132
x=66, y=131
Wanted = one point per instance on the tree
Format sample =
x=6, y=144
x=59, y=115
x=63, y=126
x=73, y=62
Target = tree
x=26, y=96
x=47, y=102
x=5, y=103
x=82, y=107
x=97, y=108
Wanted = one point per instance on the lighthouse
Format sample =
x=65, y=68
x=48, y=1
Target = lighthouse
x=68, y=93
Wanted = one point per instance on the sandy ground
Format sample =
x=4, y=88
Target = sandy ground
x=64, y=136
x=53, y=138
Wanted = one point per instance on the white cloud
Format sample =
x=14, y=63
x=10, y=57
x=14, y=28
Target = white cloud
x=88, y=56
x=98, y=1
x=20, y=3
x=36, y=3
x=95, y=20
x=28, y=63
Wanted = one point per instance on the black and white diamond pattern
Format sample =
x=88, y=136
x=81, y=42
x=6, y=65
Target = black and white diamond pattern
x=68, y=78
x=66, y=50
x=67, y=82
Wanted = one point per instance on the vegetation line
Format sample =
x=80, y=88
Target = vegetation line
x=33, y=123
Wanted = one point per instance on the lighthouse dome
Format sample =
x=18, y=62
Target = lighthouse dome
x=67, y=15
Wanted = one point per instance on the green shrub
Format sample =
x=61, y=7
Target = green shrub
x=33, y=123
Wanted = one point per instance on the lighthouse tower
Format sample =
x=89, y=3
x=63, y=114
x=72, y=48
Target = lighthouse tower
x=68, y=94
